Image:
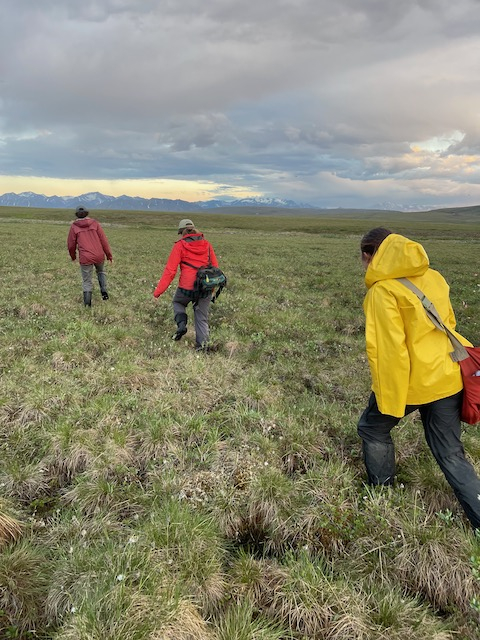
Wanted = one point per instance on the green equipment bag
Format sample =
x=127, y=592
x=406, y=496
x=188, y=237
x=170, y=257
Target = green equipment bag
x=209, y=279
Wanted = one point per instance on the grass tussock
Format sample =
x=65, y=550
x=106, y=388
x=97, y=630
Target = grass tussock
x=11, y=524
x=422, y=568
x=24, y=580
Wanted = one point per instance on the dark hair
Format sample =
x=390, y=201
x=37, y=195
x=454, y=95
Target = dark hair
x=373, y=239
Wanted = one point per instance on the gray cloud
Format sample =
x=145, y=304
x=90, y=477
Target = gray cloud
x=290, y=97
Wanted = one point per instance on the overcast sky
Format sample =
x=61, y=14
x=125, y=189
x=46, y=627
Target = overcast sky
x=336, y=103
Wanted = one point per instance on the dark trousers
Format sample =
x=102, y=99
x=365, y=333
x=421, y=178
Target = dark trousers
x=442, y=427
x=201, y=308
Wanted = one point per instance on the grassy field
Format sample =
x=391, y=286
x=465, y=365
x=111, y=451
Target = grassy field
x=151, y=492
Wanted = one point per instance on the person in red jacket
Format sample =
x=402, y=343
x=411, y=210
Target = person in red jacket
x=188, y=253
x=87, y=235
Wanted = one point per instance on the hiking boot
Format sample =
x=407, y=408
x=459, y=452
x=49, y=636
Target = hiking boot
x=104, y=295
x=87, y=298
x=179, y=333
x=181, y=320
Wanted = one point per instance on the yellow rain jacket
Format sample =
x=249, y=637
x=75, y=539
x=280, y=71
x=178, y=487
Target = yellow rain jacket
x=409, y=358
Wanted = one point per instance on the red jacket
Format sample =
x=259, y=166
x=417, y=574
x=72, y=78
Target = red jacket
x=88, y=235
x=192, y=248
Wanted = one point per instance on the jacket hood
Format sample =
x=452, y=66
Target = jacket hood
x=84, y=223
x=397, y=257
x=196, y=244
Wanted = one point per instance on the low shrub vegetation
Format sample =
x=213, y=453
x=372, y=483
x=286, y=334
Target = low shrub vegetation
x=149, y=492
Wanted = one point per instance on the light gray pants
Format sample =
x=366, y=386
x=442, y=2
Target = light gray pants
x=87, y=272
x=200, y=312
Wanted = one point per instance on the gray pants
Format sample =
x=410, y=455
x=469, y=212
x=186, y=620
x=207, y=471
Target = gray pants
x=87, y=272
x=200, y=311
x=442, y=427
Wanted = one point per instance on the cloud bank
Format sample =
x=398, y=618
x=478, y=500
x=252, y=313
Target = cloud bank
x=332, y=103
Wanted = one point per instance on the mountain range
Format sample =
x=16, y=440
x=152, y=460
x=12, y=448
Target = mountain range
x=96, y=200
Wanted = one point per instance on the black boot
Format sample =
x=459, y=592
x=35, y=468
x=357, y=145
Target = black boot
x=204, y=348
x=104, y=294
x=181, y=320
x=87, y=298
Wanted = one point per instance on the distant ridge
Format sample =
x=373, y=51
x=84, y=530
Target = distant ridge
x=96, y=200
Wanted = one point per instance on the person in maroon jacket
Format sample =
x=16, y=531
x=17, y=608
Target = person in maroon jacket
x=188, y=253
x=88, y=235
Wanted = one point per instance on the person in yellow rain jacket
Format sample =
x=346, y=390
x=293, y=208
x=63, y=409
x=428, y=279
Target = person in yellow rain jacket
x=410, y=365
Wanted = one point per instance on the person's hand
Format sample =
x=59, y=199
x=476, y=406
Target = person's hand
x=110, y=260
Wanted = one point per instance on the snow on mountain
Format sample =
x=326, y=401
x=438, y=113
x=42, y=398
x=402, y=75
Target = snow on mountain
x=97, y=200
x=392, y=206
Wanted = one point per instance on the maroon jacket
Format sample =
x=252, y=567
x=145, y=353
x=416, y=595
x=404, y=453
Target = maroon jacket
x=88, y=235
x=192, y=248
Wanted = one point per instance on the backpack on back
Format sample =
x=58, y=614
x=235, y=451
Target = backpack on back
x=209, y=279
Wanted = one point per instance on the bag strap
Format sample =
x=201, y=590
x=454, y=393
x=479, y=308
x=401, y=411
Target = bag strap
x=459, y=352
x=217, y=292
x=191, y=265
